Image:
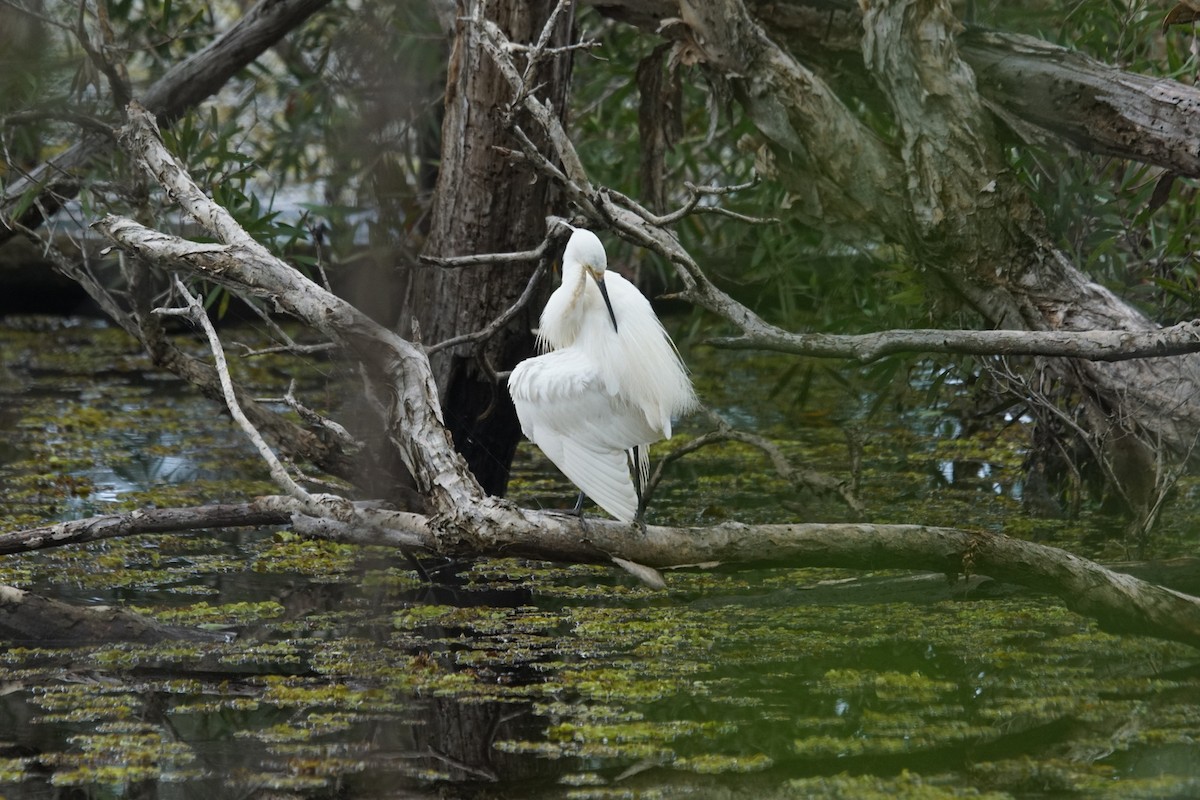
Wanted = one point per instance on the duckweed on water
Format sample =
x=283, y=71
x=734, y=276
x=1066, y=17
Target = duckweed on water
x=348, y=671
x=906, y=786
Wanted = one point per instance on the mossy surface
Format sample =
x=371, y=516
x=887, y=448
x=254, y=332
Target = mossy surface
x=347, y=674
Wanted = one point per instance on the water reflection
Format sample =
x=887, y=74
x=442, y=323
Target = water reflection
x=142, y=472
x=352, y=676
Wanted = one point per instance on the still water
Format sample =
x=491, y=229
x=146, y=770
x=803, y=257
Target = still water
x=337, y=671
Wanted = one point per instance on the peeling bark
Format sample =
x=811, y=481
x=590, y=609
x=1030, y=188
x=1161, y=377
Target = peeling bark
x=1096, y=107
x=484, y=203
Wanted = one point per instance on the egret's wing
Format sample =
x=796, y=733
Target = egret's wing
x=565, y=410
x=602, y=476
x=640, y=358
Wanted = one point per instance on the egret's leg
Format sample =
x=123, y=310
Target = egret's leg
x=578, y=511
x=635, y=468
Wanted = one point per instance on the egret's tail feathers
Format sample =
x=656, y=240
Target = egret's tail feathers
x=604, y=477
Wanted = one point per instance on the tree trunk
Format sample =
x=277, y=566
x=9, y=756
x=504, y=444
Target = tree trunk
x=484, y=203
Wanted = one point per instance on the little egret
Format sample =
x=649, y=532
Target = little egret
x=608, y=384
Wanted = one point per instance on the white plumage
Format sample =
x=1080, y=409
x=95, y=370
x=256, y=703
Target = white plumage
x=611, y=381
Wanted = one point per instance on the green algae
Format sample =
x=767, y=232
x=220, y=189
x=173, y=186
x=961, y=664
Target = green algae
x=715, y=764
x=345, y=664
x=906, y=786
x=229, y=614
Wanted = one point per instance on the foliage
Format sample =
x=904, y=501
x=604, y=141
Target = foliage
x=1128, y=225
x=789, y=272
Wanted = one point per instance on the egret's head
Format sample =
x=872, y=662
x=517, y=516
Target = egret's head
x=584, y=248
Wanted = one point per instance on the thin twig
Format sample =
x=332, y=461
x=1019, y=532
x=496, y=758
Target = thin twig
x=500, y=321
x=692, y=206
x=295, y=349
x=540, y=50
x=270, y=323
x=194, y=310
x=798, y=478
x=590, y=44
x=484, y=259
x=337, y=430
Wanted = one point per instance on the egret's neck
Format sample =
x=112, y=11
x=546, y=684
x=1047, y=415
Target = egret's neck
x=564, y=313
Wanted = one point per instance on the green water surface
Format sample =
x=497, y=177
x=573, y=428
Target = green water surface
x=346, y=674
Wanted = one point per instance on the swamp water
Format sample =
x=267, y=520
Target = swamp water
x=350, y=676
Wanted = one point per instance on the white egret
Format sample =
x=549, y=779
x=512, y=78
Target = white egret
x=609, y=384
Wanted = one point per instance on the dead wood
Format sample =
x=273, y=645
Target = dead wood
x=1119, y=602
x=1094, y=345
x=149, y=520
x=470, y=523
x=27, y=617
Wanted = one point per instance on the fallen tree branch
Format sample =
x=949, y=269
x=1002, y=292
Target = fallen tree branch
x=1119, y=602
x=149, y=520
x=1090, y=345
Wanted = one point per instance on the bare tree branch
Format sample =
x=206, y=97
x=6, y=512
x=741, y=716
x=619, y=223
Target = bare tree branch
x=333, y=428
x=149, y=520
x=485, y=259
x=500, y=321
x=1091, y=345
x=1120, y=602
x=43, y=191
x=414, y=419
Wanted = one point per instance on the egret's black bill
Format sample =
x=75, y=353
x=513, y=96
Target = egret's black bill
x=607, y=302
